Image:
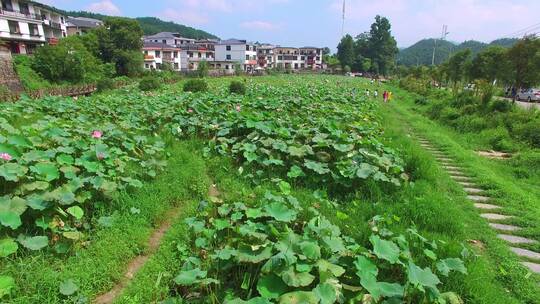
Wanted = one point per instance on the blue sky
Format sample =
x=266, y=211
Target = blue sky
x=318, y=22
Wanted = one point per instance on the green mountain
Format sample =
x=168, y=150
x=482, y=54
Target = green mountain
x=421, y=53
x=152, y=25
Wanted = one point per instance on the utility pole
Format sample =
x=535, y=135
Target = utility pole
x=443, y=37
x=343, y=21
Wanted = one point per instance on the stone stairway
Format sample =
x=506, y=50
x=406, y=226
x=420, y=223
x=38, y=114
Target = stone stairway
x=488, y=208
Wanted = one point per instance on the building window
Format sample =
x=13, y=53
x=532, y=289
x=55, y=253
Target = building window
x=164, y=41
x=7, y=6
x=146, y=65
x=146, y=52
x=296, y=66
x=226, y=67
x=175, y=54
x=279, y=57
x=23, y=7
x=247, y=57
x=303, y=58
x=14, y=27
x=254, y=48
x=34, y=31
x=318, y=58
x=190, y=54
x=228, y=57
x=199, y=54
x=176, y=65
x=302, y=65
x=247, y=47
x=228, y=47
x=158, y=54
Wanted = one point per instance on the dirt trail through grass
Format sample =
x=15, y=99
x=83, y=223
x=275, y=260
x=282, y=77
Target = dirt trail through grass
x=137, y=263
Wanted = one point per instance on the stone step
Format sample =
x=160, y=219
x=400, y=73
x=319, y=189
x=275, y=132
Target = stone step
x=515, y=239
x=495, y=216
x=456, y=173
x=453, y=168
x=478, y=198
x=526, y=253
x=470, y=190
x=532, y=266
x=460, y=178
x=466, y=184
x=486, y=206
x=503, y=227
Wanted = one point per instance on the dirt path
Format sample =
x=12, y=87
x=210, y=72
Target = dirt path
x=153, y=244
x=137, y=263
x=523, y=104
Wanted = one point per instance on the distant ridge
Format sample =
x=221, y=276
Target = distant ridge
x=151, y=25
x=421, y=52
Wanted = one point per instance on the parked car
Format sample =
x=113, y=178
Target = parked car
x=529, y=95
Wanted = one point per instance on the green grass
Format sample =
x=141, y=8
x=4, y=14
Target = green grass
x=98, y=266
x=501, y=267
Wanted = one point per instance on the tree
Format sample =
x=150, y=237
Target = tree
x=68, y=61
x=202, y=69
x=458, y=66
x=326, y=51
x=491, y=64
x=382, y=45
x=524, y=57
x=345, y=52
x=120, y=42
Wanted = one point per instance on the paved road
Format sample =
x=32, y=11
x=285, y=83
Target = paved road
x=524, y=104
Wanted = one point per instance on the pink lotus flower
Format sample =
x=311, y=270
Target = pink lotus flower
x=238, y=108
x=190, y=111
x=97, y=134
x=5, y=156
x=100, y=156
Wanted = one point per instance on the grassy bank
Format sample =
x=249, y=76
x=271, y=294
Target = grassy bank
x=95, y=267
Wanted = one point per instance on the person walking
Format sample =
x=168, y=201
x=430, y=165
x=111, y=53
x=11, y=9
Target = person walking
x=385, y=96
x=389, y=96
x=367, y=93
x=376, y=94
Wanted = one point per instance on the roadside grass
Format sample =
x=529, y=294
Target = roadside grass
x=97, y=267
x=496, y=177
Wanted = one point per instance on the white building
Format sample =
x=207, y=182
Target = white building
x=237, y=52
x=172, y=39
x=312, y=57
x=192, y=55
x=288, y=58
x=265, y=56
x=156, y=54
x=26, y=25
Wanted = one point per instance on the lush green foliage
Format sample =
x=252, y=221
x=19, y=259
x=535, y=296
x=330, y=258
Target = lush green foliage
x=267, y=254
x=119, y=43
x=202, y=69
x=59, y=157
x=195, y=85
x=149, y=83
x=30, y=79
x=372, y=51
x=237, y=87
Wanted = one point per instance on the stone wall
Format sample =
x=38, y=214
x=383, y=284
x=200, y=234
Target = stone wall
x=8, y=76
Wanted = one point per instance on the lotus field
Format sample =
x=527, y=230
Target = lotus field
x=63, y=160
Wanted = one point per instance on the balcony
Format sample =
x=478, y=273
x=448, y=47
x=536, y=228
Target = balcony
x=148, y=57
x=52, y=41
x=18, y=14
x=52, y=24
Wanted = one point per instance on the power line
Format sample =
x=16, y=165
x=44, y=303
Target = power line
x=524, y=30
x=343, y=21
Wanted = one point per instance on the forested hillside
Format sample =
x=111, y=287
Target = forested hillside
x=422, y=52
x=152, y=25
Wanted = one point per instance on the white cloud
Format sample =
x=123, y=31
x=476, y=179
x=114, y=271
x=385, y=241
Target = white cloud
x=183, y=16
x=106, y=7
x=260, y=25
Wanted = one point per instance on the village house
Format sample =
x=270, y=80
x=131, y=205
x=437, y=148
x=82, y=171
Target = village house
x=81, y=25
x=25, y=25
x=265, y=56
x=157, y=54
x=234, y=51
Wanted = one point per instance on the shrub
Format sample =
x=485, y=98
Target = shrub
x=529, y=132
x=149, y=83
x=105, y=84
x=195, y=85
x=238, y=69
x=471, y=123
x=237, y=87
x=30, y=79
x=498, y=139
x=449, y=115
x=202, y=69
x=499, y=105
x=528, y=161
x=421, y=101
